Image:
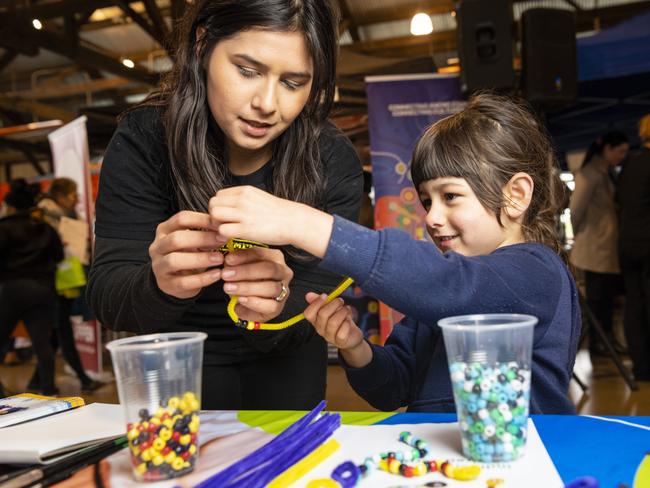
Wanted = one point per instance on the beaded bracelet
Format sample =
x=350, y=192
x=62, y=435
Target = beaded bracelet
x=236, y=244
x=408, y=463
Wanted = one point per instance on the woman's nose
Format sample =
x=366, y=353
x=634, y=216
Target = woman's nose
x=264, y=99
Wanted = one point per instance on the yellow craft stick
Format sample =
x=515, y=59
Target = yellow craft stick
x=302, y=467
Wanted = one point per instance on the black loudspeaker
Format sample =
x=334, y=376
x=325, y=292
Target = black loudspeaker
x=485, y=44
x=549, y=71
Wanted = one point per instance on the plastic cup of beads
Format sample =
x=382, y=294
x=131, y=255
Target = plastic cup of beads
x=490, y=357
x=159, y=385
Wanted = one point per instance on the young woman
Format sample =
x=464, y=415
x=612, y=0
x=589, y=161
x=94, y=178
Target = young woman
x=246, y=104
x=487, y=180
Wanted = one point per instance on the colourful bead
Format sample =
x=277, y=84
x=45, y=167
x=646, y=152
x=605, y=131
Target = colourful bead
x=177, y=464
x=466, y=473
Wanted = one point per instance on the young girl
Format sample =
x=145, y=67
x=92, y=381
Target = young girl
x=486, y=177
x=246, y=104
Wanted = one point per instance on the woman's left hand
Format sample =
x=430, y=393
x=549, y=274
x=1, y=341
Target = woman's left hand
x=260, y=278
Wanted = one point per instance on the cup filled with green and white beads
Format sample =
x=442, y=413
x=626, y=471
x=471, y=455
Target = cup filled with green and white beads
x=159, y=386
x=490, y=358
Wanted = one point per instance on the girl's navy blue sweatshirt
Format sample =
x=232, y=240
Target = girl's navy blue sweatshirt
x=417, y=280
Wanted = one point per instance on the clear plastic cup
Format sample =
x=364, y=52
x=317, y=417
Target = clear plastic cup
x=490, y=358
x=159, y=385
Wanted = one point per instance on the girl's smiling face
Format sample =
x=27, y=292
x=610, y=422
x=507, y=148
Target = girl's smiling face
x=457, y=221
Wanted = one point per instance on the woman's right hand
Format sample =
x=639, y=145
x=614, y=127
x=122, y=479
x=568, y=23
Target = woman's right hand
x=184, y=253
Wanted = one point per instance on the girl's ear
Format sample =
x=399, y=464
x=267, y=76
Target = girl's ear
x=518, y=193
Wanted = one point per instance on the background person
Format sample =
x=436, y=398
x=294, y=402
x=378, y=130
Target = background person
x=595, y=226
x=633, y=196
x=60, y=201
x=245, y=104
x=29, y=252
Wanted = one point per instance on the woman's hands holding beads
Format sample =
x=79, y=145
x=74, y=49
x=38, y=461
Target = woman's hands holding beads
x=333, y=321
x=184, y=253
x=260, y=278
x=185, y=258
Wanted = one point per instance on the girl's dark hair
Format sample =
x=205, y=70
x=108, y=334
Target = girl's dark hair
x=612, y=139
x=487, y=143
x=196, y=143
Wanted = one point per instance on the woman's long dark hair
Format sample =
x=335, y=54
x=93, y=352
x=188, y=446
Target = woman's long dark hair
x=612, y=139
x=196, y=143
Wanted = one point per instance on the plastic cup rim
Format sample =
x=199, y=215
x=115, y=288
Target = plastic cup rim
x=515, y=321
x=148, y=341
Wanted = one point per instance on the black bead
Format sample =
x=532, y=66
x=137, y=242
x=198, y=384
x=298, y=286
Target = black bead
x=144, y=414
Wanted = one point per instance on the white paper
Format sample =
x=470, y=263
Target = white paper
x=534, y=470
x=74, y=234
x=31, y=442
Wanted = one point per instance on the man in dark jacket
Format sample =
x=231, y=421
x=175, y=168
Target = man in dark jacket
x=29, y=252
x=633, y=195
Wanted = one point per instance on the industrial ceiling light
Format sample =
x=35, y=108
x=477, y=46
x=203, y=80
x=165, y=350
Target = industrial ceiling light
x=37, y=24
x=421, y=24
x=128, y=63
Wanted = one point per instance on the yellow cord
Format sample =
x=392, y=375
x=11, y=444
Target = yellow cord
x=234, y=244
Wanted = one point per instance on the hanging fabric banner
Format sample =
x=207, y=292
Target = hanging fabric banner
x=71, y=159
x=399, y=109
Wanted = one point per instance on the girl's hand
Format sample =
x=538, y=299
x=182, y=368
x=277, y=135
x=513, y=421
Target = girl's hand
x=333, y=321
x=249, y=213
x=184, y=253
x=260, y=278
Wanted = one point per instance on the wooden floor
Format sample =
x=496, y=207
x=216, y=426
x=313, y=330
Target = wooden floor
x=607, y=392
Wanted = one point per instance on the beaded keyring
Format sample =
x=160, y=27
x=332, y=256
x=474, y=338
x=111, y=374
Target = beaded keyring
x=236, y=244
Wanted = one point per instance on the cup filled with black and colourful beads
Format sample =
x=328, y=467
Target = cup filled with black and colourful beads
x=490, y=358
x=164, y=444
x=159, y=384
